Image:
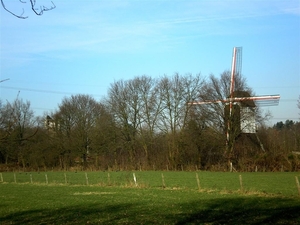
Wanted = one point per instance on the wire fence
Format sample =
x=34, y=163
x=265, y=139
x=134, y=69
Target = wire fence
x=286, y=184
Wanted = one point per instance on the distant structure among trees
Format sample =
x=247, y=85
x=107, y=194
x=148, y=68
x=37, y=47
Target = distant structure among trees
x=49, y=123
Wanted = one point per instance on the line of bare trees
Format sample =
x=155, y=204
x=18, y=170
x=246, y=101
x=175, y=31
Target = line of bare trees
x=144, y=123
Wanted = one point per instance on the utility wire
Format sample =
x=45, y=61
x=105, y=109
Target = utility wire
x=42, y=91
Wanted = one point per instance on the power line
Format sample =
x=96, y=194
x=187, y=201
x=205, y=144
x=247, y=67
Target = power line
x=42, y=91
x=4, y=80
x=273, y=87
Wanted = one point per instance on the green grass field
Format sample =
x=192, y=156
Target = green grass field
x=114, y=198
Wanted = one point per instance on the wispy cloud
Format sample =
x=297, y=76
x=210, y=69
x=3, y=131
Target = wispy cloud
x=119, y=26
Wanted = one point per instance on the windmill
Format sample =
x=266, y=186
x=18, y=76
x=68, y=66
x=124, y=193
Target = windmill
x=238, y=104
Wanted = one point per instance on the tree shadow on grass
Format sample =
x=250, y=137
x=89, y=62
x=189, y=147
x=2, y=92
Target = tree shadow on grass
x=243, y=210
x=238, y=210
x=79, y=214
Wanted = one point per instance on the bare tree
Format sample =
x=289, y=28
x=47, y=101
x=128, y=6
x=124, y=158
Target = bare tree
x=17, y=122
x=175, y=93
x=125, y=104
x=38, y=9
x=104, y=139
x=150, y=110
x=75, y=119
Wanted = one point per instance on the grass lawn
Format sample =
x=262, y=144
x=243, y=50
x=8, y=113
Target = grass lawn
x=113, y=198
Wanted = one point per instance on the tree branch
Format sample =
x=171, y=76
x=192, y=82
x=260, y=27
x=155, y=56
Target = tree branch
x=18, y=16
x=38, y=11
x=42, y=8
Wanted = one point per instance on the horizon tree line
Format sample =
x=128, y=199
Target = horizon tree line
x=145, y=123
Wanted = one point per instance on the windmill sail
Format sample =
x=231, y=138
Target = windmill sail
x=246, y=103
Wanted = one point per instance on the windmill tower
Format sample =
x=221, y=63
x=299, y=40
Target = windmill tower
x=245, y=102
x=239, y=107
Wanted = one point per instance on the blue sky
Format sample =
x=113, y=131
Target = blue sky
x=84, y=46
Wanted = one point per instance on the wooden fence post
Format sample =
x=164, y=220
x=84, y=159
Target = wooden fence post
x=108, y=178
x=163, y=181
x=86, y=179
x=298, y=185
x=198, y=182
x=134, y=179
x=241, y=183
